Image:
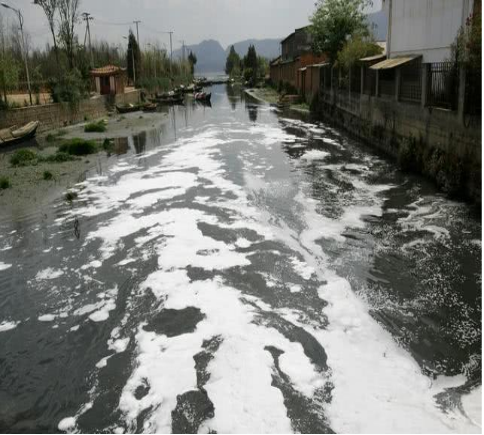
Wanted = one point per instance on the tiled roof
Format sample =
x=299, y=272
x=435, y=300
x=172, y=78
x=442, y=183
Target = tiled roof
x=108, y=70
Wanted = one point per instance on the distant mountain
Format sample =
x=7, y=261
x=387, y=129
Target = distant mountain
x=269, y=48
x=379, y=22
x=210, y=56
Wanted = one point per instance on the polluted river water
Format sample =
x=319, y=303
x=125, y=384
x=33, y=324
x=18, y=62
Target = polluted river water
x=241, y=270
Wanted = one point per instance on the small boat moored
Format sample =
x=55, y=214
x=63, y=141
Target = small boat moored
x=128, y=108
x=203, y=96
x=150, y=107
x=15, y=135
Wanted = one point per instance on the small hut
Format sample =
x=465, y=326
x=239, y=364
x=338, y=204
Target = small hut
x=109, y=79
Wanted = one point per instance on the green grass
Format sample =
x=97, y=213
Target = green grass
x=52, y=137
x=4, y=183
x=47, y=176
x=24, y=157
x=79, y=147
x=95, y=127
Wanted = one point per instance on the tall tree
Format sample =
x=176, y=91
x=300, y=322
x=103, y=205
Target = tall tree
x=250, y=63
x=335, y=21
x=69, y=16
x=233, y=61
x=133, y=58
x=192, y=59
x=50, y=8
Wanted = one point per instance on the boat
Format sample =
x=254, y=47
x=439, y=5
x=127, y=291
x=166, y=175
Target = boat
x=169, y=99
x=150, y=107
x=202, y=96
x=128, y=108
x=15, y=135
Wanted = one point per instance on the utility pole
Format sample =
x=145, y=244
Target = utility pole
x=87, y=17
x=24, y=49
x=137, y=31
x=183, y=55
x=171, y=53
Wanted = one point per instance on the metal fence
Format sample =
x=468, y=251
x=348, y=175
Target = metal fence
x=369, y=81
x=411, y=82
x=386, y=83
x=443, y=85
x=355, y=79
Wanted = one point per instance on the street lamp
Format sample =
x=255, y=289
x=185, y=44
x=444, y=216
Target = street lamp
x=24, y=51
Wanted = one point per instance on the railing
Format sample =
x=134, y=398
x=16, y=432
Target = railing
x=355, y=79
x=411, y=82
x=443, y=85
x=386, y=83
x=369, y=81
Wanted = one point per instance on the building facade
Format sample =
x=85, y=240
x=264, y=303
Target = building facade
x=425, y=27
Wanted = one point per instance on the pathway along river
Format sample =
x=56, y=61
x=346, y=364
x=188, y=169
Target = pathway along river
x=242, y=271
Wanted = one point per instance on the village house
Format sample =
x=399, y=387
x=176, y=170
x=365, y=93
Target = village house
x=109, y=80
x=296, y=54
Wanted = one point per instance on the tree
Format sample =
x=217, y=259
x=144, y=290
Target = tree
x=192, y=59
x=250, y=63
x=233, y=61
x=9, y=73
x=357, y=48
x=334, y=22
x=262, y=66
x=50, y=8
x=133, y=55
x=69, y=16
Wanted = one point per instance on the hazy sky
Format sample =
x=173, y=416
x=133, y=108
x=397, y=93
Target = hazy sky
x=227, y=21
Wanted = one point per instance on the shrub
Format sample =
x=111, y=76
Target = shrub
x=70, y=87
x=78, y=147
x=4, y=183
x=59, y=157
x=48, y=175
x=95, y=127
x=23, y=158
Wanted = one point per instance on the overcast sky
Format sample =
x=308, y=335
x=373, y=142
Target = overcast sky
x=227, y=21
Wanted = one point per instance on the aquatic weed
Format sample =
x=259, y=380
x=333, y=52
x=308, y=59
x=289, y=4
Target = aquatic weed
x=95, y=127
x=48, y=176
x=23, y=157
x=79, y=147
x=4, y=183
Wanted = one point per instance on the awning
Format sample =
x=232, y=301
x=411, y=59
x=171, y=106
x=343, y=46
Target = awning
x=302, y=69
x=320, y=65
x=393, y=63
x=374, y=57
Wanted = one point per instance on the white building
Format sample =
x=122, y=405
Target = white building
x=425, y=27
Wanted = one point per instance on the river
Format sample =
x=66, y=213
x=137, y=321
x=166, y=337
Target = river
x=242, y=270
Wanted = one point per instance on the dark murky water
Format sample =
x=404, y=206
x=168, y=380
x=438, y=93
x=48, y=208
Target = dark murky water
x=241, y=270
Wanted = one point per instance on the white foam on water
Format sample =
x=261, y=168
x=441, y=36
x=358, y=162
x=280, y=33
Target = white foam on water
x=295, y=288
x=67, y=424
x=48, y=274
x=7, y=326
x=313, y=155
x=47, y=318
x=4, y=266
x=472, y=404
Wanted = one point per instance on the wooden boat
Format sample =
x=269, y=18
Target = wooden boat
x=170, y=99
x=150, y=107
x=202, y=96
x=129, y=108
x=14, y=135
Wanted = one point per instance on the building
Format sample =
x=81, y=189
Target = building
x=109, y=80
x=426, y=28
x=296, y=54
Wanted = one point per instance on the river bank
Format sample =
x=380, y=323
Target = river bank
x=30, y=187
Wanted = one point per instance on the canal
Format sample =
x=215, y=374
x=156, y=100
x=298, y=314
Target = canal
x=242, y=270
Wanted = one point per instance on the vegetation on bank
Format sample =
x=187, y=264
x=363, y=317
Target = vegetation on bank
x=95, y=127
x=62, y=69
x=252, y=68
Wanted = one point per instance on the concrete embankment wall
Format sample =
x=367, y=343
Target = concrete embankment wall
x=59, y=115
x=430, y=141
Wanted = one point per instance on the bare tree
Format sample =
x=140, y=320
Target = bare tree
x=50, y=8
x=69, y=16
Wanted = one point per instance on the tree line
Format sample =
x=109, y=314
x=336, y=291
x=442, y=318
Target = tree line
x=62, y=68
x=251, y=67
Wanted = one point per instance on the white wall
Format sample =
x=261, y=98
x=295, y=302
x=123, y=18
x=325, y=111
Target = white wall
x=426, y=27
